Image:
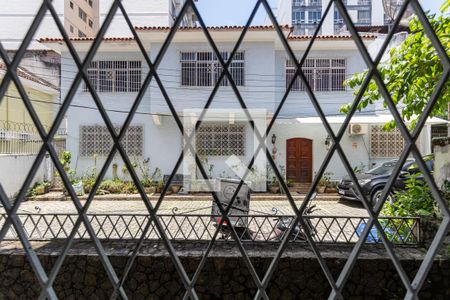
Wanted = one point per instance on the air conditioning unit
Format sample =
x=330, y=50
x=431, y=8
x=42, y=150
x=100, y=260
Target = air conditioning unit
x=357, y=129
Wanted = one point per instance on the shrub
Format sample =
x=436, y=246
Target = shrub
x=415, y=200
x=129, y=188
x=112, y=186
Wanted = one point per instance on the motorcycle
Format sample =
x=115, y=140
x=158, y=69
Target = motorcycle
x=284, y=224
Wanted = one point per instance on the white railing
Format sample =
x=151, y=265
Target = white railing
x=19, y=138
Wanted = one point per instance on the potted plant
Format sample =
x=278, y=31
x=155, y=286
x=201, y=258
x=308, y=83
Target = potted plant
x=331, y=187
x=175, y=188
x=159, y=186
x=324, y=182
x=148, y=185
x=274, y=186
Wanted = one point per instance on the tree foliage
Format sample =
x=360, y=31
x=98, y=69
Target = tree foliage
x=412, y=72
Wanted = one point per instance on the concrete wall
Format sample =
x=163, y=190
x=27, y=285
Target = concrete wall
x=15, y=168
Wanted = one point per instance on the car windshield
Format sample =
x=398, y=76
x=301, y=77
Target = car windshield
x=384, y=169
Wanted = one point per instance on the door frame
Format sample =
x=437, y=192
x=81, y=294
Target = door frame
x=312, y=155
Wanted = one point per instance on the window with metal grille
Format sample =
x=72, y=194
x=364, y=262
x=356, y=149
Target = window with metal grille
x=203, y=69
x=108, y=76
x=439, y=131
x=220, y=139
x=96, y=140
x=323, y=74
x=298, y=17
x=314, y=17
x=385, y=143
x=364, y=16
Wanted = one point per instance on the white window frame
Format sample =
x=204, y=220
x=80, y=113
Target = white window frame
x=316, y=70
x=103, y=75
x=194, y=62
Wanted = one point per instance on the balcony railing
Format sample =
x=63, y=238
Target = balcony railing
x=19, y=138
x=364, y=2
x=307, y=3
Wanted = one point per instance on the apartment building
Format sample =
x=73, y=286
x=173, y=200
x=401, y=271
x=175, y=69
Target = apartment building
x=305, y=15
x=81, y=17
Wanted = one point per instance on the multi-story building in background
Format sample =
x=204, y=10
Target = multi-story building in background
x=145, y=13
x=305, y=15
x=81, y=17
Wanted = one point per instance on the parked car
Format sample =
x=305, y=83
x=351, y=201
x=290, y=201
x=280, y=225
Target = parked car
x=373, y=181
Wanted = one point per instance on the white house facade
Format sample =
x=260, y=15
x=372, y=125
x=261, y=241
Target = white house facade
x=261, y=70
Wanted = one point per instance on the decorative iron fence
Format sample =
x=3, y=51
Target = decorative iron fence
x=198, y=227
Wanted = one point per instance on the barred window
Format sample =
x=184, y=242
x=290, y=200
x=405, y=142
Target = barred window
x=322, y=74
x=96, y=140
x=109, y=76
x=364, y=17
x=314, y=17
x=439, y=131
x=220, y=139
x=385, y=143
x=204, y=69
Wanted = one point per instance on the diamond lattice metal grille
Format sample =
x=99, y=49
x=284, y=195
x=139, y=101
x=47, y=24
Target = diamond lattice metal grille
x=154, y=223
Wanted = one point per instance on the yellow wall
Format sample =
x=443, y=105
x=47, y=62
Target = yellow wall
x=12, y=108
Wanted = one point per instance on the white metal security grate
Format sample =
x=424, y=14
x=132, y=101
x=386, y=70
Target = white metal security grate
x=118, y=76
x=323, y=74
x=204, y=69
x=47, y=279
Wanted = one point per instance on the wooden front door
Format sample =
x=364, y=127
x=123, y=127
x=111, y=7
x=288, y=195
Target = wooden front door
x=299, y=160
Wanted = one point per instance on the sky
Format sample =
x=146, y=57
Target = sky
x=237, y=12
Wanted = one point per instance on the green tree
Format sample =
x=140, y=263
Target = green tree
x=412, y=72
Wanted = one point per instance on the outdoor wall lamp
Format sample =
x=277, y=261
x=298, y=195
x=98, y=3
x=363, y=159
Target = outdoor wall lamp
x=328, y=142
x=274, y=139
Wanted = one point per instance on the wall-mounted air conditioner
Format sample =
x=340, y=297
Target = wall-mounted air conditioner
x=357, y=129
